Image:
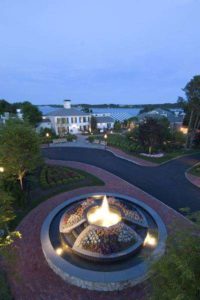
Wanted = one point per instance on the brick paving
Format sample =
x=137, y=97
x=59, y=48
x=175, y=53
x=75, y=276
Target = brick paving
x=32, y=279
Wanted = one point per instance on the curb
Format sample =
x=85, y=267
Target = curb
x=190, y=177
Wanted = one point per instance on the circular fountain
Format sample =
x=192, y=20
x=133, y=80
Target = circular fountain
x=103, y=242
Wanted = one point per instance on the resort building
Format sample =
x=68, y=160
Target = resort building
x=69, y=120
x=175, y=119
x=44, y=124
x=104, y=123
x=7, y=116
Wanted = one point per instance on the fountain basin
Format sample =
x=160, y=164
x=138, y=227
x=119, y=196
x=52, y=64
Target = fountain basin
x=88, y=272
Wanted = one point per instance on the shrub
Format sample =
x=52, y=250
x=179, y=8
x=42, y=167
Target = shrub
x=91, y=138
x=70, y=137
x=5, y=293
x=177, y=274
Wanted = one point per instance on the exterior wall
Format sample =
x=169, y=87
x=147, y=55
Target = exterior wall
x=70, y=124
x=44, y=125
x=109, y=125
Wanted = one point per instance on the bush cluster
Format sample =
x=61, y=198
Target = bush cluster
x=123, y=143
x=71, y=137
x=51, y=176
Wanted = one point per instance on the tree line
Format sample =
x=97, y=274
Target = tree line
x=30, y=112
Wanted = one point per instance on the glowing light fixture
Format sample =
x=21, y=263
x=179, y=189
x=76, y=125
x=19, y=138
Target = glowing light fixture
x=104, y=215
x=2, y=169
x=184, y=130
x=150, y=240
x=59, y=251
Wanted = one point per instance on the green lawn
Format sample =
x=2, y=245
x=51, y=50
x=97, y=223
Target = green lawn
x=195, y=170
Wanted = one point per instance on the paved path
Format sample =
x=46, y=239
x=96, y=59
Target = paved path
x=166, y=182
x=32, y=279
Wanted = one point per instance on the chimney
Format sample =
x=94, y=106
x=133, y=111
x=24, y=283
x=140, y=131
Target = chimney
x=67, y=104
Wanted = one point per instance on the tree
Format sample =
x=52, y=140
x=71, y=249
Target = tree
x=87, y=110
x=117, y=125
x=125, y=123
x=19, y=151
x=5, y=106
x=93, y=123
x=152, y=133
x=177, y=274
x=192, y=91
x=31, y=113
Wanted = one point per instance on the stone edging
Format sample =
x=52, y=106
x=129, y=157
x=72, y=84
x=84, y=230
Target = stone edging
x=94, y=280
x=195, y=180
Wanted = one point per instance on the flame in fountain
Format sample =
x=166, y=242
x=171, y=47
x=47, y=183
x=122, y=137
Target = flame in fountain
x=103, y=215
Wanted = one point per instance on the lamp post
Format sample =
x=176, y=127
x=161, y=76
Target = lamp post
x=105, y=138
x=47, y=136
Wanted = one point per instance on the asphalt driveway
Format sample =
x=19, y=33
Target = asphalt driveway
x=166, y=182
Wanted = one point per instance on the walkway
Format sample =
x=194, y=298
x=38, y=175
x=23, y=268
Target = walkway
x=32, y=278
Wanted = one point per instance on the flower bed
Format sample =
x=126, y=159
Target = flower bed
x=74, y=216
x=108, y=240
x=51, y=176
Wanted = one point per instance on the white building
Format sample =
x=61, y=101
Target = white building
x=7, y=116
x=45, y=124
x=69, y=120
x=104, y=123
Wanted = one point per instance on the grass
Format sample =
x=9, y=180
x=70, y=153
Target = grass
x=168, y=155
x=195, y=170
x=40, y=193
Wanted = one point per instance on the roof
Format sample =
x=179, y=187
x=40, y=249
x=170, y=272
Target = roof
x=66, y=112
x=105, y=119
x=118, y=114
x=46, y=120
x=160, y=113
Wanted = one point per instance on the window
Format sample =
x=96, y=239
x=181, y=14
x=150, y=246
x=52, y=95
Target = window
x=61, y=121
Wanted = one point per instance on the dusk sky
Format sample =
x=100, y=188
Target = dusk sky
x=98, y=51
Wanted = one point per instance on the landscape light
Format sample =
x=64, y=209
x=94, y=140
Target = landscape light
x=59, y=251
x=2, y=169
x=150, y=240
x=184, y=130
